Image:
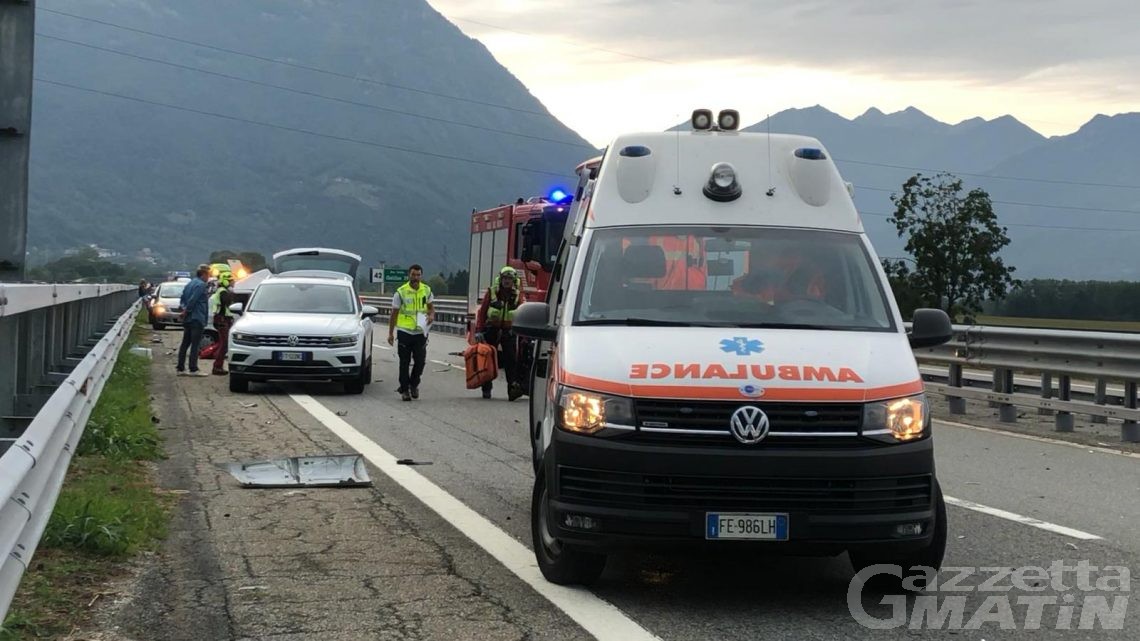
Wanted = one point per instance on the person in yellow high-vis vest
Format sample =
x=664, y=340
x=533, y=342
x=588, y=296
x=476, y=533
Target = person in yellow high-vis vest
x=413, y=311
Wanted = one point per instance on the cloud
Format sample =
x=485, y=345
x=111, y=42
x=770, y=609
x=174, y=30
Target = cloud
x=984, y=41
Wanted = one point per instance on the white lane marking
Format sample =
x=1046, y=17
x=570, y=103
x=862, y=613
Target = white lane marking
x=1039, y=439
x=597, y=616
x=1044, y=525
x=452, y=365
x=386, y=349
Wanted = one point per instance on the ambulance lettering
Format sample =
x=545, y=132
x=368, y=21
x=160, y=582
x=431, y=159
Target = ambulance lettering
x=713, y=371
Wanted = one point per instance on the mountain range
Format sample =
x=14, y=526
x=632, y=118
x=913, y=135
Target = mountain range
x=188, y=159
x=377, y=126
x=1071, y=203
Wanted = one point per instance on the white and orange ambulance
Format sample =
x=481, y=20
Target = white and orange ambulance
x=720, y=361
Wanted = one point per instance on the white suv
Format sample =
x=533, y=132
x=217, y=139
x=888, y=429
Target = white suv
x=302, y=326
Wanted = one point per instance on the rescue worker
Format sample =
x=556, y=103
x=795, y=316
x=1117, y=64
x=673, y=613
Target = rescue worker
x=493, y=326
x=220, y=302
x=414, y=309
x=683, y=263
x=790, y=276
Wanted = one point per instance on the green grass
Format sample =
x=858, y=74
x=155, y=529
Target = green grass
x=1060, y=323
x=107, y=511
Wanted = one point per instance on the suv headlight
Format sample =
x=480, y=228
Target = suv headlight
x=897, y=420
x=346, y=339
x=242, y=338
x=583, y=412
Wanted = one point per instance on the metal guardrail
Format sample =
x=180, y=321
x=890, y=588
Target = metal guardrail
x=33, y=469
x=45, y=331
x=450, y=313
x=1102, y=360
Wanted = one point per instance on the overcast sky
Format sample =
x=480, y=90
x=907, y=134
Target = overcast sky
x=606, y=66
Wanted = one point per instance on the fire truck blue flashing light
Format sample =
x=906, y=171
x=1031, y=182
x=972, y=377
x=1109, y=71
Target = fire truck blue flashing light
x=559, y=196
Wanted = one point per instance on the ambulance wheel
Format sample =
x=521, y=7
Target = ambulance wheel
x=930, y=556
x=559, y=562
x=238, y=384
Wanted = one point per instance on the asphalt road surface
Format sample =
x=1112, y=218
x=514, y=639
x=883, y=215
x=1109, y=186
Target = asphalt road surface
x=1016, y=503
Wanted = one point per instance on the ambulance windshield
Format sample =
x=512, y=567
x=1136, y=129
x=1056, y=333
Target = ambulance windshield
x=731, y=277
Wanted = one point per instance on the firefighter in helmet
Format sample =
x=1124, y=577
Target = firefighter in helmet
x=220, y=302
x=493, y=326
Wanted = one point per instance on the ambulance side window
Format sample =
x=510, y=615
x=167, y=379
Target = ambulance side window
x=556, y=294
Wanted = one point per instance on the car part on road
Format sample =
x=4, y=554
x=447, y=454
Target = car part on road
x=337, y=470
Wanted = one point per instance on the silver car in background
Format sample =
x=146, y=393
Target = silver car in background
x=166, y=306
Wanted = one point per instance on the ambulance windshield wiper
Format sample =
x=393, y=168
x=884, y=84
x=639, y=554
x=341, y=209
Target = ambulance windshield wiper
x=783, y=326
x=645, y=322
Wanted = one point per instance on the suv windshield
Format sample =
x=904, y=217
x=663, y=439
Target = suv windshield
x=303, y=298
x=731, y=277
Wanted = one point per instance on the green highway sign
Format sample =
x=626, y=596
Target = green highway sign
x=395, y=275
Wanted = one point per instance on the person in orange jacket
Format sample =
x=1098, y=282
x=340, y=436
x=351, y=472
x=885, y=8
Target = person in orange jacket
x=493, y=326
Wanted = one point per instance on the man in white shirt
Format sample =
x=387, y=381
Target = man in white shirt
x=413, y=312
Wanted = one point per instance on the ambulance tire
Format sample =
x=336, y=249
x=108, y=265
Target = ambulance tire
x=560, y=563
x=913, y=564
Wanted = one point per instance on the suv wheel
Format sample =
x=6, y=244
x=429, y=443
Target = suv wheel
x=239, y=384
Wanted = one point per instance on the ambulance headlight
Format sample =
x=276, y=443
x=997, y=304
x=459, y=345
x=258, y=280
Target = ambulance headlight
x=583, y=412
x=702, y=119
x=728, y=119
x=722, y=185
x=897, y=420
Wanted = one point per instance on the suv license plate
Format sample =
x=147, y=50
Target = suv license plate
x=291, y=356
x=748, y=526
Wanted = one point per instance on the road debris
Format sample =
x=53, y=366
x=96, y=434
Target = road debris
x=408, y=461
x=247, y=405
x=335, y=470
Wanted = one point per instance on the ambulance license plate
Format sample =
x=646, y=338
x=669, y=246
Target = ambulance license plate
x=747, y=526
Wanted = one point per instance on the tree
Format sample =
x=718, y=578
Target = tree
x=438, y=285
x=457, y=282
x=955, y=241
x=908, y=293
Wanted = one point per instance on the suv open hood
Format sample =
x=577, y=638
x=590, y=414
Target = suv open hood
x=315, y=259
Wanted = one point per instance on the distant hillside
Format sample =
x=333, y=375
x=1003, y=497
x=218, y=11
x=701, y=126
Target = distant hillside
x=878, y=152
x=127, y=175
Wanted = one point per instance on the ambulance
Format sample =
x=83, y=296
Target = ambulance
x=720, y=362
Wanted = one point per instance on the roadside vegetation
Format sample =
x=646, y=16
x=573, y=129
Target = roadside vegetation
x=107, y=512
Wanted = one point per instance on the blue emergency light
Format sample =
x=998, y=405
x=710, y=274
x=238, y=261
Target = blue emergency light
x=559, y=196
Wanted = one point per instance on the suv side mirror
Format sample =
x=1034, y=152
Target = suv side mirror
x=531, y=321
x=236, y=308
x=369, y=311
x=930, y=328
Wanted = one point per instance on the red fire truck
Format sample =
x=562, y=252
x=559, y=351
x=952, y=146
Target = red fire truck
x=525, y=235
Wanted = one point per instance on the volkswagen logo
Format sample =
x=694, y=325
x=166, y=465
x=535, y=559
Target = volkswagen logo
x=292, y=340
x=749, y=424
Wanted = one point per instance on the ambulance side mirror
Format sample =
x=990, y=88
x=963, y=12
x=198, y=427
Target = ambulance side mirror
x=930, y=328
x=531, y=321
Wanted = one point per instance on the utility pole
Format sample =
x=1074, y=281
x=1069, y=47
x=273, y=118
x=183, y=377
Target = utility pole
x=17, y=29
